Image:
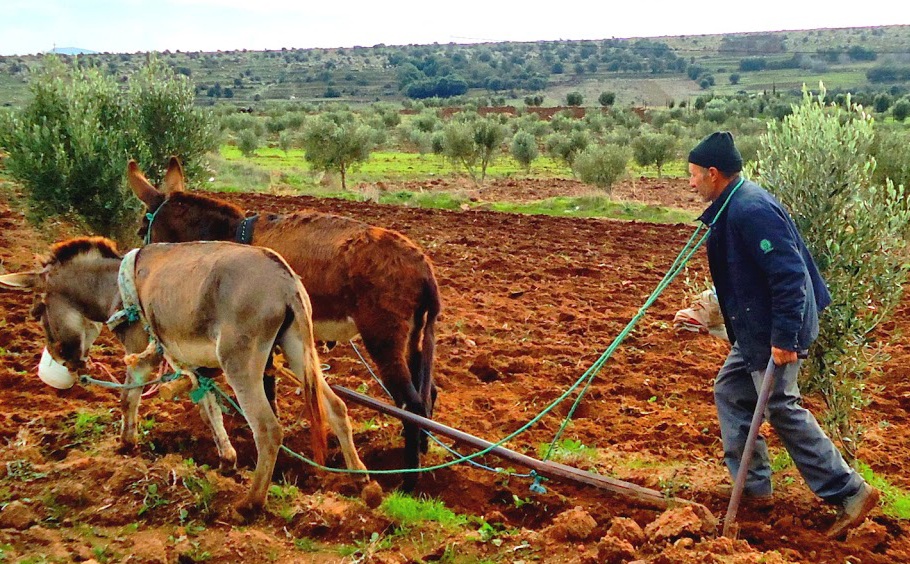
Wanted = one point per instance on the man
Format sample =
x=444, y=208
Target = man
x=770, y=294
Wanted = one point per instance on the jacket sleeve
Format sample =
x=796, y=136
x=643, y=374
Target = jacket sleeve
x=768, y=237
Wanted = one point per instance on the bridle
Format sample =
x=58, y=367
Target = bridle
x=151, y=217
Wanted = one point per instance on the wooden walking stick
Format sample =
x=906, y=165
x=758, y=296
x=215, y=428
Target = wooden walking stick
x=771, y=373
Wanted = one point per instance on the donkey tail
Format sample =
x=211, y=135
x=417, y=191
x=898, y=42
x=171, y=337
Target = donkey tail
x=430, y=306
x=311, y=378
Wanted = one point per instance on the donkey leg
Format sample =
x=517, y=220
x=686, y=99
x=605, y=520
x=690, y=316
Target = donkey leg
x=129, y=405
x=268, y=382
x=304, y=363
x=388, y=352
x=211, y=414
x=243, y=369
x=337, y=413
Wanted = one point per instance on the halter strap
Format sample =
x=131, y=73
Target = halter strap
x=244, y=233
x=151, y=217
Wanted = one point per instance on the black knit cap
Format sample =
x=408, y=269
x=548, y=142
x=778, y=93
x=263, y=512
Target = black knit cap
x=717, y=150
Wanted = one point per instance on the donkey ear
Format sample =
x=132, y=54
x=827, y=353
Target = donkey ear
x=141, y=187
x=173, y=178
x=20, y=280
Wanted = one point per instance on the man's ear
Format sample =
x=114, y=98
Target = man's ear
x=19, y=280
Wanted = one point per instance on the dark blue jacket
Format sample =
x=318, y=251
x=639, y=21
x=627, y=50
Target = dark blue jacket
x=768, y=286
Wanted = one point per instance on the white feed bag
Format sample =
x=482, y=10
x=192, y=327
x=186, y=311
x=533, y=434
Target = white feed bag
x=53, y=373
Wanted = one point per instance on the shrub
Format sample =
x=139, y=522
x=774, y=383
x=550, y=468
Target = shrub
x=248, y=142
x=892, y=156
x=524, y=148
x=606, y=99
x=817, y=161
x=602, y=165
x=901, y=109
x=654, y=149
x=69, y=146
x=565, y=147
x=574, y=99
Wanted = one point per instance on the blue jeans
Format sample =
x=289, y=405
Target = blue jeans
x=814, y=454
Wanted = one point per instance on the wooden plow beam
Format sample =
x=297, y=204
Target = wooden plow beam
x=545, y=468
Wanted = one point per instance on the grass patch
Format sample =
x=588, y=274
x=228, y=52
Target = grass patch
x=270, y=170
x=781, y=461
x=407, y=510
x=895, y=501
x=87, y=426
x=597, y=206
x=434, y=200
x=567, y=450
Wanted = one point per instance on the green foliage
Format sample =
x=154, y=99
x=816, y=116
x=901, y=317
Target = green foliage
x=248, y=142
x=407, y=510
x=574, y=99
x=881, y=103
x=817, y=162
x=69, y=146
x=901, y=109
x=473, y=142
x=895, y=501
x=569, y=451
x=566, y=147
x=524, y=149
x=891, y=150
x=606, y=99
x=602, y=165
x=166, y=122
x=336, y=141
x=654, y=149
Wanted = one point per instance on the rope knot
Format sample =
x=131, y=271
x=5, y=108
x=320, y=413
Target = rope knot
x=536, y=485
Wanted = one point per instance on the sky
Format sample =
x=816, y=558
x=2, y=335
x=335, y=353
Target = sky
x=129, y=26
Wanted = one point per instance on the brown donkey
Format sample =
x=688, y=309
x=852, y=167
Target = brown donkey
x=360, y=278
x=208, y=305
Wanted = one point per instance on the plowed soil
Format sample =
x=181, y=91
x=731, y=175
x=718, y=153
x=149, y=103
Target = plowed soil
x=530, y=302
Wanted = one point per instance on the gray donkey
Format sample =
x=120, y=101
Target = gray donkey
x=198, y=305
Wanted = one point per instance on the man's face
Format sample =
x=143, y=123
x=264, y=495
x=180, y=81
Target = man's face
x=700, y=179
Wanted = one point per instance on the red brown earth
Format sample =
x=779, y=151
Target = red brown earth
x=530, y=302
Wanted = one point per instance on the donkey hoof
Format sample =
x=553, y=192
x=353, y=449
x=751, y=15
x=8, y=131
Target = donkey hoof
x=127, y=448
x=248, y=510
x=372, y=494
x=227, y=467
x=409, y=483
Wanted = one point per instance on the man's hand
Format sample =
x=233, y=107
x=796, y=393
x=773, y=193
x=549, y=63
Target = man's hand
x=782, y=357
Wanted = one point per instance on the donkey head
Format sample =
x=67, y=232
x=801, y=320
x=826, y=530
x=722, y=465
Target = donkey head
x=58, y=301
x=174, y=215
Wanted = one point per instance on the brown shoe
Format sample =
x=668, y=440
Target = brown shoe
x=854, y=510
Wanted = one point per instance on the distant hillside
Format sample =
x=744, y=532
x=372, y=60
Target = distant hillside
x=662, y=71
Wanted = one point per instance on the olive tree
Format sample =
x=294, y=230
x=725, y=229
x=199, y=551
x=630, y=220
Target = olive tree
x=524, y=148
x=654, y=149
x=472, y=142
x=602, y=165
x=336, y=141
x=70, y=144
x=566, y=147
x=817, y=162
